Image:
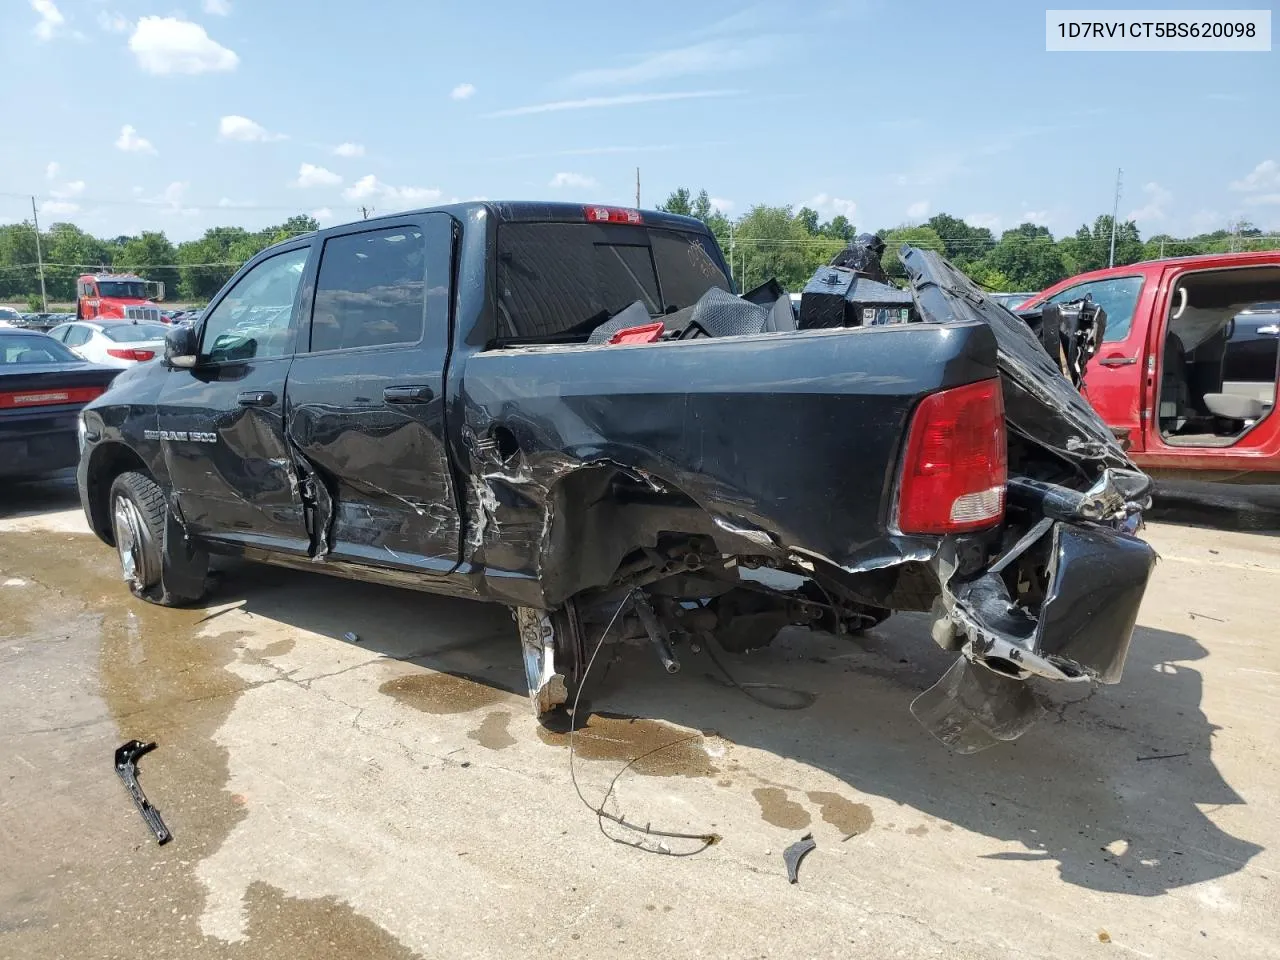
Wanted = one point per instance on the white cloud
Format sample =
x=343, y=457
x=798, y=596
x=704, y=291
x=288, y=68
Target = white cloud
x=575, y=181
x=721, y=204
x=626, y=99
x=392, y=198
x=462, y=91
x=1034, y=216
x=707, y=57
x=171, y=199
x=51, y=19
x=130, y=142
x=169, y=45
x=113, y=22
x=309, y=175
x=989, y=220
x=830, y=206
x=918, y=210
x=349, y=150
x=242, y=128
x=1157, y=199
x=323, y=215
x=217, y=8
x=68, y=190
x=1261, y=199
x=1264, y=176
x=52, y=169
x=58, y=208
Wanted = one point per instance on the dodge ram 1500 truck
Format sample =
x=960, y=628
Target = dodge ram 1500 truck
x=567, y=410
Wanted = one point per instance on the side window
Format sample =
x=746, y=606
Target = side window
x=372, y=287
x=77, y=336
x=1116, y=295
x=255, y=320
x=60, y=333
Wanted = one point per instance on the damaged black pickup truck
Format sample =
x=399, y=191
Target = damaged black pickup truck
x=567, y=410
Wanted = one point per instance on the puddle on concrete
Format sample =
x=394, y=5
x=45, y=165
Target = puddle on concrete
x=659, y=750
x=277, y=649
x=287, y=927
x=443, y=693
x=493, y=732
x=842, y=813
x=776, y=808
x=918, y=831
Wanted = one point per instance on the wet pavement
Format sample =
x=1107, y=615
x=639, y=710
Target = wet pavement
x=393, y=797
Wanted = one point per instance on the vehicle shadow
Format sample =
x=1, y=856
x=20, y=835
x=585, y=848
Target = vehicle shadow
x=21, y=498
x=1109, y=787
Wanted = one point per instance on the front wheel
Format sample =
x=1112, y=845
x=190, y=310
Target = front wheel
x=138, y=516
x=551, y=643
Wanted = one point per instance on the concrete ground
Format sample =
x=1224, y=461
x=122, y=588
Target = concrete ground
x=393, y=797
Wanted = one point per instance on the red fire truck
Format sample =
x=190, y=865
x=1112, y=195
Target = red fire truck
x=118, y=296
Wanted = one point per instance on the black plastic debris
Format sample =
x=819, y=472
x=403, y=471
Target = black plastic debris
x=795, y=853
x=127, y=756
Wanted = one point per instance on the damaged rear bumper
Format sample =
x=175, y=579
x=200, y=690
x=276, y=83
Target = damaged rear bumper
x=1096, y=578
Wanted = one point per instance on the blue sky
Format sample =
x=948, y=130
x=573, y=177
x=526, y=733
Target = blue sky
x=140, y=115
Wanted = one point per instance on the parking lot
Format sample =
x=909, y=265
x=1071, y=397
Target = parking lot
x=393, y=796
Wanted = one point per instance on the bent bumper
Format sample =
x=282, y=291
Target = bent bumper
x=1097, y=577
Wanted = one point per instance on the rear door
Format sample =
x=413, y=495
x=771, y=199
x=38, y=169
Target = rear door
x=221, y=423
x=1113, y=382
x=365, y=401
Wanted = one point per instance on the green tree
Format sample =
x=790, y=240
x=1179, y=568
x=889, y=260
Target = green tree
x=894, y=240
x=771, y=242
x=808, y=218
x=70, y=252
x=678, y=202
x=964, y=244
x=18, y=276
x=838, y=228
x=1090, y=249
x=152, y=257
x=1028, y=257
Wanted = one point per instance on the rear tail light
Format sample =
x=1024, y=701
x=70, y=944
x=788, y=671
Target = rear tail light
x=52, y=397
x=120, y=353
x=955, y=468
x=612, y=215
x=646, y=333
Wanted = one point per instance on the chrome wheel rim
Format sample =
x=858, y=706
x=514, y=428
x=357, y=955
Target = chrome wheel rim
x=126, y=524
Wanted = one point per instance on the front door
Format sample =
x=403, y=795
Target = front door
x=1113, y=381
x=221, y=423
x=365, y=402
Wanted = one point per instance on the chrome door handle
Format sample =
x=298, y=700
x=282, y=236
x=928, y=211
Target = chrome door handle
x=1118, y=361
x=256, y=398
x=408, y=394
x=1270, y=330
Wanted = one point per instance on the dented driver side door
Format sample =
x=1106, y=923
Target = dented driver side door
x=365, y=401
x=220, y=424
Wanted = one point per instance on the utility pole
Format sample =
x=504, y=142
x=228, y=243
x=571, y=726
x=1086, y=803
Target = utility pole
x=730, y=249
x=44, y=297
x=637, y=188
x=1115, y=212
x=364, y=213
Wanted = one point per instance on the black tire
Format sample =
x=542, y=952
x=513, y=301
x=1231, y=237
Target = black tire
x=138, y=512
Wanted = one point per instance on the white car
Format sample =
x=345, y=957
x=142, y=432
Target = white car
x=9, y=317
x=115, y=343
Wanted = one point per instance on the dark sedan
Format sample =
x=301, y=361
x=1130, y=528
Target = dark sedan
x=43, y=386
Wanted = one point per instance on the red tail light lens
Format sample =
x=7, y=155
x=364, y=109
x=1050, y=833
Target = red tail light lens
x=612, y=215
x=955, y=469
x=55, y=396
x=120, y=353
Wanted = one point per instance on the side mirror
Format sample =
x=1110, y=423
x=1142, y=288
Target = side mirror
x=182, y=346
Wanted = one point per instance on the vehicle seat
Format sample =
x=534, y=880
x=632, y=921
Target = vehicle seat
x=1175, y=390
x=1232, y=406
